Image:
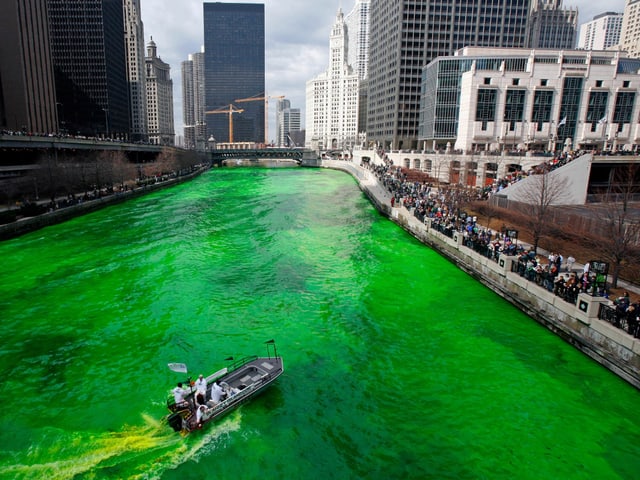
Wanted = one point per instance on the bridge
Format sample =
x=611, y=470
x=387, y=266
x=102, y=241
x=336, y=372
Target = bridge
x=296, y=155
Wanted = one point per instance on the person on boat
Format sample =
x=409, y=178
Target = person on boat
x=201, y=390
x=216, y=393
x=178, y=395
x=201, y=415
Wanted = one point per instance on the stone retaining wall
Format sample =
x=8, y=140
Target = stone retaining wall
x=577, y=324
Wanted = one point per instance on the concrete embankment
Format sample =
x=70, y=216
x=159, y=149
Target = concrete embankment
x=577, y=324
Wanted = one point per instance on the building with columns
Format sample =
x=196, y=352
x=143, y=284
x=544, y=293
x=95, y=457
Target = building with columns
x=332, y=97
x=538, y=100
x=159, y=98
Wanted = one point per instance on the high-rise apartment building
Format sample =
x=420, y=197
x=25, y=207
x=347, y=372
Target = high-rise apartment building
x=90, y=66
x=193, y=102
x=407, y=34
x=601, y=33
x=332, y=97
x=159, y=98
x=134, y=44
x=287, y=123
x=551, y=26
x=27, y=92
x=234, y=49
x=630, y=35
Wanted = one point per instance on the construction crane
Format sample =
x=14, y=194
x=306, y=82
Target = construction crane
x=230, y=110
x=266, y=111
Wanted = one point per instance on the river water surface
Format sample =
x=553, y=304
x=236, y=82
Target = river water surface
x=397, y=365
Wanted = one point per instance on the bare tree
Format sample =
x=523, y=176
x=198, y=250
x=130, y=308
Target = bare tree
x=540, y=193
x=619, y=238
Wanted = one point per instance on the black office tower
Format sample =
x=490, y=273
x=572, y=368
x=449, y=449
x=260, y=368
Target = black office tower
x=234, y=70
x=88, y=54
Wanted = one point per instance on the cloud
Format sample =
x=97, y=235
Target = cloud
x=296, y=37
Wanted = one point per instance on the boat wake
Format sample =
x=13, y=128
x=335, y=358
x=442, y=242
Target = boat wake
x=137, y=452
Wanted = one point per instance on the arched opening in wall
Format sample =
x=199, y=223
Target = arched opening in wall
x=334, y=143
x=407, y=163
x=490, y=173
x=417, y=163
x=428, y=165
x=454, y=172
x=471, y=175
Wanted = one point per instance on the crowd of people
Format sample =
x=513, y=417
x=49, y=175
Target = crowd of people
x=442, y=209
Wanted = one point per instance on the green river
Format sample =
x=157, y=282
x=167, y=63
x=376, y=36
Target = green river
x=397, y=364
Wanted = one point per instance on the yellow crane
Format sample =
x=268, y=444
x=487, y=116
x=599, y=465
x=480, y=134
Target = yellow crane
x=266, y=110
x=230, y=110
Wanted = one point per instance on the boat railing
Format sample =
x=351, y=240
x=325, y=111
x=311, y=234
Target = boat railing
x=241, y=394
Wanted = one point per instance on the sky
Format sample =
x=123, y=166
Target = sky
x=297, y=41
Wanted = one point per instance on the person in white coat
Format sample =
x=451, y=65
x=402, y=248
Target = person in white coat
x=201, y=390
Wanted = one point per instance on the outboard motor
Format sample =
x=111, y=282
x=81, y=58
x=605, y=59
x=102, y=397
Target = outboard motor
x=175, y=421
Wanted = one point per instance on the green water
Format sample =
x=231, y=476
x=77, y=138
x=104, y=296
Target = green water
x=397, y=364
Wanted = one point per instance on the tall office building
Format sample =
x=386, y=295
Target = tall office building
x=357, y=21
x=630, y=35
x=332, y=97
x=234, y=50
x=287, y=123
x=407, y=34
x=134, y=43
x=601, y=33
x=193, y=102
x=27, y=92
x=90, y=67
x=159, y=98
x=551, y=26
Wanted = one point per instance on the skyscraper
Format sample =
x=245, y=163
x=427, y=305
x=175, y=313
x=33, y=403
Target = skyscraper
x=551, y=26
x=90, y=66
x=407, y=34
x=134, y=44
x=159, y=98
x=357, y=21
x=630, y=35
x=193, y=101
x=332, y=97
x=601, y=33
x=27, y=93
x=287, y=122
x=234, y=69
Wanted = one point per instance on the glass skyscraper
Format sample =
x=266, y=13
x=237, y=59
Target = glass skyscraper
x=234, y=49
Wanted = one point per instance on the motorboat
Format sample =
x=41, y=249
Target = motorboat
x=224, y=390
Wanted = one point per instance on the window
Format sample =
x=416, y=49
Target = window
x=487, y=81
x=543, y=82
x=515, y=81
x=486, y=106
x=598, y=83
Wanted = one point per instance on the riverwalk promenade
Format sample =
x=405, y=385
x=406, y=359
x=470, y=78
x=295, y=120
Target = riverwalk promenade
x=578, y=323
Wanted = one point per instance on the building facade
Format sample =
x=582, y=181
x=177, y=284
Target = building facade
x=551, y=26
x=27, y=90
x=159, y=98
x=630, y=34
x=87, y=37
x=407, y=34
x=134, y=44
x=507, y=100
x=287, y=124
x=193, y=102
x=601, y=33
x=332, y=98
x=234, y=41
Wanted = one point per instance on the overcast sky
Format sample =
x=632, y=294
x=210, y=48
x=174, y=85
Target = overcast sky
x=297, y=40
